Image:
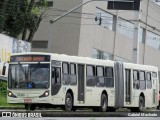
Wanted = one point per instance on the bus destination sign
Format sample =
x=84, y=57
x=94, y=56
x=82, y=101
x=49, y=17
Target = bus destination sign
x=30, y=58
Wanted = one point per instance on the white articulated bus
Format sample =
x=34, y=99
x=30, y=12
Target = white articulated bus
x=50, y=80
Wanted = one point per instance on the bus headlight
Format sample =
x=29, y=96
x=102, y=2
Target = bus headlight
x=10, y=94
x=45, y=94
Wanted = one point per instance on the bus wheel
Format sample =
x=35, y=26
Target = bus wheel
x=158, y=107
x=68, y=102
x=141, y=104
x=30, y=106
x=104, y=103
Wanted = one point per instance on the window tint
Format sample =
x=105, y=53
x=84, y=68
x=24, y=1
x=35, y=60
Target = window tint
x=65, y=68
x=109, y=72
x=99, y=71
x=148, y=76
x=135, y=75
x=154, y=74
x=90, y=76
x=136, y=83
x=73, y=69
x=142, y=80
x=90, y=70
x=100, y=77
x=149, y=80
x=56, y=75
x=66, y=77
x=73, y=77
x=109, y=81
x=142, y=76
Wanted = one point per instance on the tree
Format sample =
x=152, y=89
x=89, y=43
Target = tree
x=19, y=16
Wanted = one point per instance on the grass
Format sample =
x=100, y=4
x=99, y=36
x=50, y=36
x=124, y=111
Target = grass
x=3, y=97
x=3, y=102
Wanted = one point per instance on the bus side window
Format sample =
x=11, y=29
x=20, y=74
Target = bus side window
x=100, y=77
x=58, y=75
x=90, y=75
x=73, y=77
x=135, y=79
x=109, y=77
x=53, y=73
x=56, y=78
x=66, y=76
x=154, y=76
x=149, y=80
x=142, y=80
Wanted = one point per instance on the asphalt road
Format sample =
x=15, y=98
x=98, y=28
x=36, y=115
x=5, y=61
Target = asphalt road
x=23, y=114
x=84, y=118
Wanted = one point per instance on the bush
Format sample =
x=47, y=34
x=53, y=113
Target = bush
x=3, y=88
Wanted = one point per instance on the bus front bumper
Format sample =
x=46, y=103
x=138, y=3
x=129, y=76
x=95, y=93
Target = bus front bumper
x=28, y=100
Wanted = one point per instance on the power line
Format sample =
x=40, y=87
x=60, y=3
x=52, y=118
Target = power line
x=151, y=17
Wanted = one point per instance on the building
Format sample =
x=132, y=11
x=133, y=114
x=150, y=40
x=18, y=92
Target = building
x=94, y=31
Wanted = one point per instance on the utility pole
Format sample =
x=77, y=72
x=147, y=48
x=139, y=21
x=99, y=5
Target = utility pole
x=135, y=56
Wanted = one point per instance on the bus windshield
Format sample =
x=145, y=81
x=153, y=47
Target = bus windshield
x=29, y=76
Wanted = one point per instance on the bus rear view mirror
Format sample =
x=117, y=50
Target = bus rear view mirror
x=3, y=70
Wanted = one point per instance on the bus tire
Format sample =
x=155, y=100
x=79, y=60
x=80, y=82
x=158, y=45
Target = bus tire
x=68, y=102
x=104, y=103
x=141, y=104
x=158, y=107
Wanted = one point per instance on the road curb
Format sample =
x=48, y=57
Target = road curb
x=4, y=107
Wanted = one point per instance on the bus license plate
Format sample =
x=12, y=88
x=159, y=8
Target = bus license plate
x=27, y=100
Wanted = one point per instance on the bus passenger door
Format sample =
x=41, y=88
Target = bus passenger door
x=56, y=80
x=127, y=86
x=155, y=87
x=80, y=82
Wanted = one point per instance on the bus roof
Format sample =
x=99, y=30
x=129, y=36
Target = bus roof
x=86, y=60
x=68, y=58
